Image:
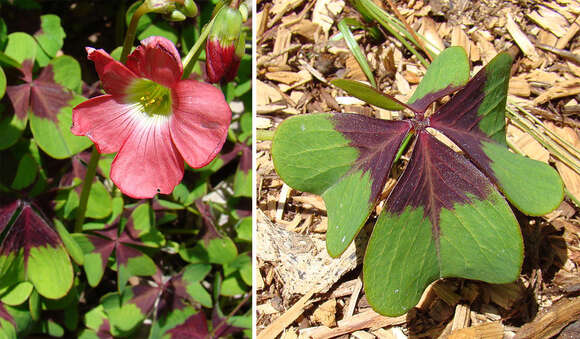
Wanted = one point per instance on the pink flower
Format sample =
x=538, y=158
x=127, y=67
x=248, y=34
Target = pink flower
x=152, y=118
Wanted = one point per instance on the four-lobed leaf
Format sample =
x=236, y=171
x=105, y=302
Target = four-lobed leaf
x=32, y=251
x=98, y=245
x=445, y=217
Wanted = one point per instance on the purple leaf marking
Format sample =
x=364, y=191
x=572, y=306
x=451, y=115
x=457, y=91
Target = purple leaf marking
x=220, y=325
x=377, y=142
x=43, y=95
x=144, y=297
x=421, y=104
x=6, y=316
x=194, y=327
x=7, y=210
x=435, y=178
x=29, y=230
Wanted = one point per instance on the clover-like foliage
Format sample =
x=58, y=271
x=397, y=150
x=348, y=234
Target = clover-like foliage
x=446, y=216
x=32, y=251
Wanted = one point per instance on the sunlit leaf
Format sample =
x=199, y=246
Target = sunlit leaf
x=33, y=242
x=445, y=216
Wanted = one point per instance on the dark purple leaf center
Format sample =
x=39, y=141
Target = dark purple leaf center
x=42, y=95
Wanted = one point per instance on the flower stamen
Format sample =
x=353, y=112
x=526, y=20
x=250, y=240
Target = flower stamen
x=153, y=98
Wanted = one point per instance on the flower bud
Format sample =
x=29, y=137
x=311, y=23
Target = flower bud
x=173, y=10
x=223, y=51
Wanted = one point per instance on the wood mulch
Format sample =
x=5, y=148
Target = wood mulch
x=301, y=291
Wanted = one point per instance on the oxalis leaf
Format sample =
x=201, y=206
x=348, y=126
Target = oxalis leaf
x=98, y=247
x=33, y=251
x=446, y=216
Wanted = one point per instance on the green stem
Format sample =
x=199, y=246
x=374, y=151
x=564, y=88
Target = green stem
x=403, y=146
x=235, y=310
x=86, y=190
x=571, y=197
x=132, y=30
x=92, y=168
x=193, y=54
x=193, y=210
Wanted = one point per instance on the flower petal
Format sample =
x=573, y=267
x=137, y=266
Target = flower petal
x=148, y=162
x=200, y=121
x=156, y=59
x=105, y=121
x=115, y=77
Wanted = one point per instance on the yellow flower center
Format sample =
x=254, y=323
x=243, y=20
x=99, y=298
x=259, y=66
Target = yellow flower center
x=154, y=99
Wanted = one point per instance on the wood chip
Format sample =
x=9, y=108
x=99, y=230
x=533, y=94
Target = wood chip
x=362, y=335
x=306, y=29
x=353, y=69
x=281, y=7
x=278, y=325
x=489, y=331
x=262, y=123
x=526, y=144
x=291, y=333
x=446, y=293
x=459, y=38
x=284, y=77
x=570, y=178
x=429, y=30
x=391, y=333
x=349, y=309
x=461, y=317
x=368, y=319
x=519, y=86
x=505, y=295
x=325, y=314
x=551, y=320
x=325, y=11
x=520, y=37
x=281, y=43
x=561, y=89
x=268, y=94
x=310, y=200
x=564, y=40
x=550, y=20
x=486, y=48
x=259, y=280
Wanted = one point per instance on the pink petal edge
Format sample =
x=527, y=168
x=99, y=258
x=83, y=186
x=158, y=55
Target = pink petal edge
x=105, y=121
x=115, y=77
x=200, y=121
x=157, y=59
x=148, y=163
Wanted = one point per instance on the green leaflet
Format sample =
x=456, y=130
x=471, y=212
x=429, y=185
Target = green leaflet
x=479, y=241
x=513, y=173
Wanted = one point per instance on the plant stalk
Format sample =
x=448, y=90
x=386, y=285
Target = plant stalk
x=132, y=30
x=410, y=29
x=193, y=54
x=86, y=190
x=236, y=309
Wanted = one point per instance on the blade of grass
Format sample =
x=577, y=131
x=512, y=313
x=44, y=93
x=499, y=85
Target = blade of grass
x=356, y=51
x=387, y=22
x=410, y=29
x=557, y=147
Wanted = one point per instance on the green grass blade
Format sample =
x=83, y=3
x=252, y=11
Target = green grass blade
x=356, y=51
